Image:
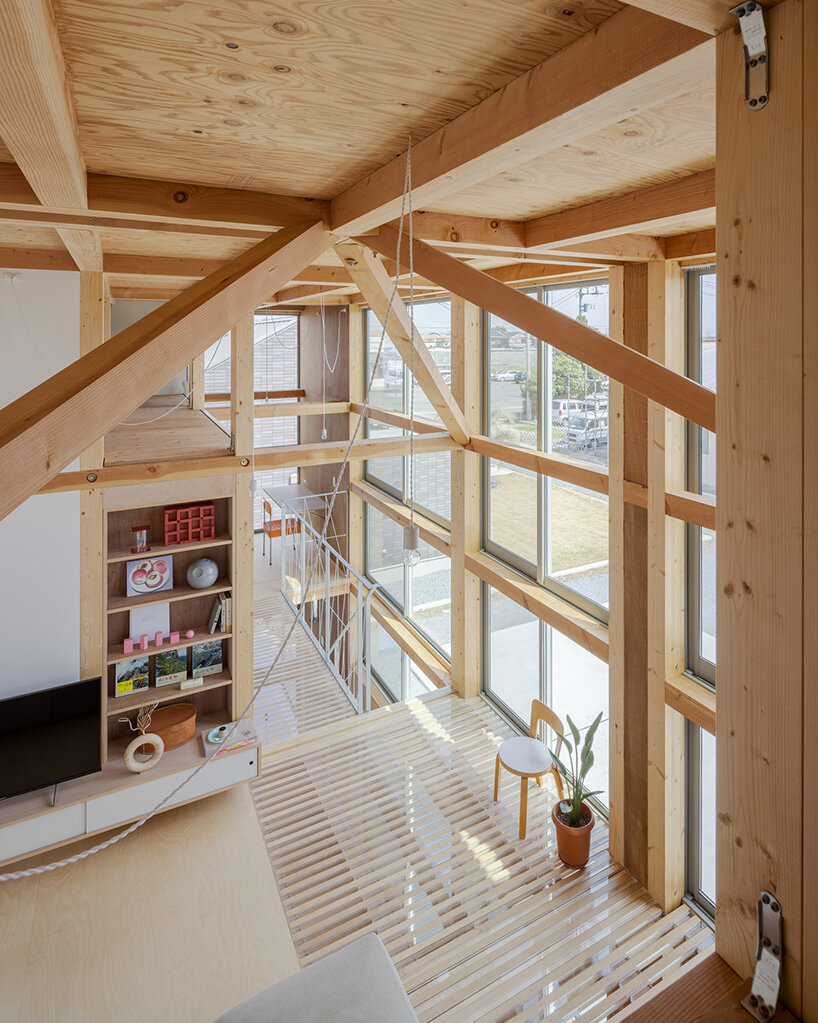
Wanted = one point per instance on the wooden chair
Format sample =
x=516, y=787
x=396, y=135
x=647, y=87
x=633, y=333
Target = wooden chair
x=529, y=758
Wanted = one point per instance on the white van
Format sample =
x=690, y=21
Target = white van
x=563, y=408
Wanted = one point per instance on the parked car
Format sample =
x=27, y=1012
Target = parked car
x=507, y=375
x=586, y=432
x=563, y=408
x=597, y=403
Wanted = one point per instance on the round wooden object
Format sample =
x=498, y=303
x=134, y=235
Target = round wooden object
x=139, y=743
x=175, y=724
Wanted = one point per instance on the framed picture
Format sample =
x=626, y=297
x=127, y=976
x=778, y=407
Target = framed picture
x=148, y=575
x=131, y=676
x=207, y=658
x=171, y=666
x=148, y=620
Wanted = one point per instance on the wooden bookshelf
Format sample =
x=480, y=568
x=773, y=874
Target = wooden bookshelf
x=166, y=694
x=181, y=592
x=126, y=554
x=116, y=653
x=190, y=608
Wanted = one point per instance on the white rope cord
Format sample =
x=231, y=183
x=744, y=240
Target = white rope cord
x=77, y=857
x=412, y=340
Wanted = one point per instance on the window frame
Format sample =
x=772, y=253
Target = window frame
x=693, y=819
x=696, y=665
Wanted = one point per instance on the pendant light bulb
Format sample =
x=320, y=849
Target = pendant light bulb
x=411, y=546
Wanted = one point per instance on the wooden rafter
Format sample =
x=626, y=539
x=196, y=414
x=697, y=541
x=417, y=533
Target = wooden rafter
x=43, y=430
x=695, y=193
x=371, y=277
x=37, y=120
x=650, y=378
x=638, y=61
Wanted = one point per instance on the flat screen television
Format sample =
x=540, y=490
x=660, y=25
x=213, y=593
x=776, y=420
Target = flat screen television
x=50, y=736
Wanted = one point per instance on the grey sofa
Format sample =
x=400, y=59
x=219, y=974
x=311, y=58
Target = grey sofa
x=356, y=984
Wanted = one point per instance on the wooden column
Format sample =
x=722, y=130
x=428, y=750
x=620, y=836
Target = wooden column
x=665, y=607
x=628, y=640
x=766, y=705
x=241, y=427
x=466, y=503
x=93, y=576
x=355, y=470
x=197, y=382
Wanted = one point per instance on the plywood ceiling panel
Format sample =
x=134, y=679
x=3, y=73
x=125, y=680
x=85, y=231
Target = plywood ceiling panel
x=300, y=97
x=658, y=145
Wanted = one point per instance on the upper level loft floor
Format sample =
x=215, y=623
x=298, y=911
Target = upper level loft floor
x=163, y=430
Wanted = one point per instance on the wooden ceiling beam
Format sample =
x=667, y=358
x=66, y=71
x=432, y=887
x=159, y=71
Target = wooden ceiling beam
x=694, y=244
x=621, y=248
x=711, y=16
x=643, y=207
x=43, y=430
x=649, y=378
x=37, y=119
x=373, y=281
x=630, y=62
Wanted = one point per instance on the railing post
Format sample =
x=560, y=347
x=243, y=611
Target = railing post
x=367, y=630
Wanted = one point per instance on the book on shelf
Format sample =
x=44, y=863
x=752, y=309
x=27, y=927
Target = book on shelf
x=206, y=658
x=171, y=666
x=216, y=613
x=131, y=676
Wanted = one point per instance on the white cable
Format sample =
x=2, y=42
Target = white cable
x=47, y=867
x=412, y=340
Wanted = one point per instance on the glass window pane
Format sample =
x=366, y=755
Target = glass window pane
x=514, y=655
x=384, y=561
x=418, y=682
x=387, y=659
x=513, y=507
x=432, y=483
x=387, y=386
x=511, y=413
x=576, y=394
x=431, y=596
x=433, y=321
x=579, y=688
x=577, y=540
x=707, y=815
x=707, y=594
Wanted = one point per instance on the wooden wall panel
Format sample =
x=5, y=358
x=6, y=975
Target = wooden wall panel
x=760, y=504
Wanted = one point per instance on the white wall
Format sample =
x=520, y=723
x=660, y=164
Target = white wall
x=124, y=312
x=39, y=541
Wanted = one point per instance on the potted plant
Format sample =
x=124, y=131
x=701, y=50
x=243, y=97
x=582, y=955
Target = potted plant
x=573, y=817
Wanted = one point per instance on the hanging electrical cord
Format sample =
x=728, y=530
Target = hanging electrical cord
x=47, y=867
x=411, y=538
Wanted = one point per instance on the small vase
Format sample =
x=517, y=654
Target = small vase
x=573, y=844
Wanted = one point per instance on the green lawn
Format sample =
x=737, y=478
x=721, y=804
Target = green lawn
x=579, y=522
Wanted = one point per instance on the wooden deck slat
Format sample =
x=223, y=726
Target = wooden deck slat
x=386, y=823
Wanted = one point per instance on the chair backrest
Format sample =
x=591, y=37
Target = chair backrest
x=268, y=508
x=540, y=712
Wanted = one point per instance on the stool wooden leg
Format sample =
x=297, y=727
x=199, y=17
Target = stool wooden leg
x=523, y=806
x=497, y=778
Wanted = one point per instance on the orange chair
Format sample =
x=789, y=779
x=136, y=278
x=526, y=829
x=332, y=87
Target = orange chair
x=271, y=528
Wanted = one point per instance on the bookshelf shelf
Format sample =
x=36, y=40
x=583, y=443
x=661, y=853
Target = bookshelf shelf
x=125, y=553
x=184, y=592
x=122, y=705
x=115, y=653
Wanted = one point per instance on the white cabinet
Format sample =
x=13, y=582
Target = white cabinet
x=128, y=803
x=58, y=825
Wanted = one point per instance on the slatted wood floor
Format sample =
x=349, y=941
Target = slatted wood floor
x=386, y=823
x=302, y=694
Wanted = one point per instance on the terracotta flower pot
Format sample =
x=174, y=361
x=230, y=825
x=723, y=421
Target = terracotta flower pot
x=573, y=844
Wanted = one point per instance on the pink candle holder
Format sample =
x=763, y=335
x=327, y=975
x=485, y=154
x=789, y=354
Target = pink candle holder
x=127, y=646
x=174, y=637
x=143, y=641
x=158, y=638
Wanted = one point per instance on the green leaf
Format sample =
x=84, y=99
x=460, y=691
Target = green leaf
x=574, y=732
x=589, y=735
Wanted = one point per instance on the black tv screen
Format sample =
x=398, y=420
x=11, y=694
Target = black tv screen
x=50, y=736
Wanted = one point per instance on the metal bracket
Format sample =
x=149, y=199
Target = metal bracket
x=762, y=1000
x=756, y=59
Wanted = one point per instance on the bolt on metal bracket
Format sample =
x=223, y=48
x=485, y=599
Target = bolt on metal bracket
x=756, y=58
x=762, y=1000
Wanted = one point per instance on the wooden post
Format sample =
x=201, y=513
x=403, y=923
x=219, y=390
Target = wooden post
x=628, y=641
x=665, y=606
x=466, y=505
x=92, y=518
x=197, y=382
x=241, y=422
x=355, y=505
x=766, y=707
